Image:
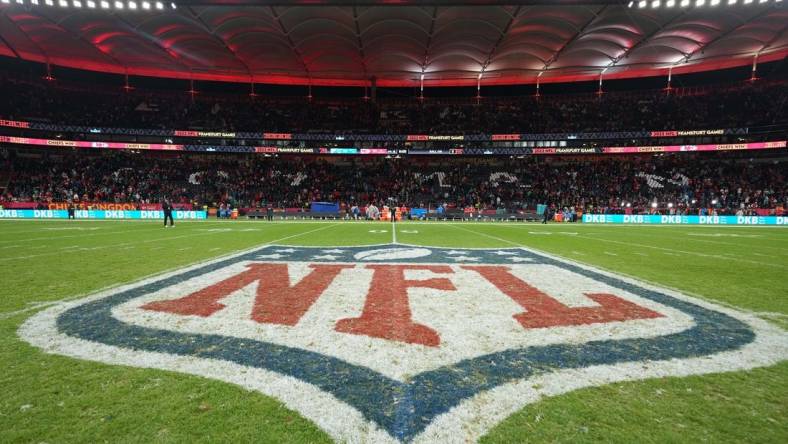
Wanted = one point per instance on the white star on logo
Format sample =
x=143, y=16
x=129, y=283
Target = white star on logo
x=465, y=259
x=519, y=259
x=287, y=250
x=504, y=253
x=328, y=257
x=455, y=252
x=333, y=251
x=270, y=256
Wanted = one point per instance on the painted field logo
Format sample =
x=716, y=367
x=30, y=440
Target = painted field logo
x=398, y=343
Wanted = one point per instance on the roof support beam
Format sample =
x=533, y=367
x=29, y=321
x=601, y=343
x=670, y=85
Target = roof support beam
x=359, y=44
x=571, y=40
x=504, y=32
x=292, y=45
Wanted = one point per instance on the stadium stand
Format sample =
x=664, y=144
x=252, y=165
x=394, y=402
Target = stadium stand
x=721, y=182
x=728, y=106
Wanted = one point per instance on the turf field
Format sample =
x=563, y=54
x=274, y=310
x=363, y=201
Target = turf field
x=50, y=398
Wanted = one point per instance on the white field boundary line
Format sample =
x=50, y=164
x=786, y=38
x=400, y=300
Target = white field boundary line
x=689, y=237
x=37, y=305
x=580, y=261
x=670, y=250
x=71, y=236
x=123, y=244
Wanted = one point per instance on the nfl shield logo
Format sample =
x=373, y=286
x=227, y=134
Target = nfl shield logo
x=398, y=343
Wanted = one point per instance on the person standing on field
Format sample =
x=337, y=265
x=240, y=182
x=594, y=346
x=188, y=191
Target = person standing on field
x=167, y=208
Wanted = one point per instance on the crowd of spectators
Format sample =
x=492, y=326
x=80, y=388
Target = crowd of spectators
x=744, y=105
x=682, y=182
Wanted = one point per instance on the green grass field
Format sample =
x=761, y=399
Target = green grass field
x=53, y=399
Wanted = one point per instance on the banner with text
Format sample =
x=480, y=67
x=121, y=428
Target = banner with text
x=656, y=219
x=98, y=214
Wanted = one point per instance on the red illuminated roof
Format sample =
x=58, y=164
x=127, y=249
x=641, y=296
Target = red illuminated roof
x=348, y=45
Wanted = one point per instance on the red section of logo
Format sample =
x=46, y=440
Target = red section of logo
x=544, y=311
x=387, y=313
x=277, y=302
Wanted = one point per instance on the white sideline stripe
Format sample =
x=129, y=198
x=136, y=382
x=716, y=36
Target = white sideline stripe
x=56, y=237
x=715, y=256
x=578, y=261
x=164, y=239
x=35, y=306
x=694, y=253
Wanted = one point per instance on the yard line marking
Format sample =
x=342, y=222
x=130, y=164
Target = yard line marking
x=610, y=254
x=715, y=256
x=577, y=252
x=163, y=239
x=393, y=232
x=158, y=273
x=215, y=248
x=55, y=236
x=693, y=253
x=640, y=253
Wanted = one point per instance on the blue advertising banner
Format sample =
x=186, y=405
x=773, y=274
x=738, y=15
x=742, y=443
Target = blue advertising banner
x=649, y=219
x=324, y=207
x=98, y=214
x=418, y=212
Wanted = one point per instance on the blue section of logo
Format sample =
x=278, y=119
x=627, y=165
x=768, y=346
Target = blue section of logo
x=404, y=409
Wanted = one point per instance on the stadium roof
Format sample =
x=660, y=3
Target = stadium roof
x=349, y=42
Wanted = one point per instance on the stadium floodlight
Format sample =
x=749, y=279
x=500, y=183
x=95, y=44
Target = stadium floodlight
x=685, y=3
x=714, y=2
x=145, y=5
x=118, y=5
x=159, y=6
x=747, y=2
x=77, y=3
x=91, y=4
x=670, y=3
x=732, y=2
x=104, y=4
x=34, y=2
x=63, y=3
x=642, y=4
x=21, y=2
x=670, y=205
x=173, y=6
x=631, y=3
x=49, y=2
x=6, y=1
x=629, y=205
x=699, y=3
x=694, y=201
x=656, y=3
x=133, y=5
